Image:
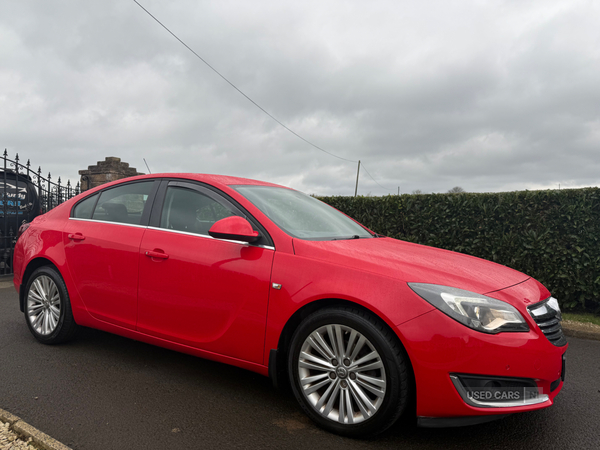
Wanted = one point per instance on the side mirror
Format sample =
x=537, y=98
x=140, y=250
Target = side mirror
x=234, y=228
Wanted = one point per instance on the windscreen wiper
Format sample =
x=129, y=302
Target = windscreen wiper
x=356, y=236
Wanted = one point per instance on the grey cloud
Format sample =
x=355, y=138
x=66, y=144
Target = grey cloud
x=429, y=95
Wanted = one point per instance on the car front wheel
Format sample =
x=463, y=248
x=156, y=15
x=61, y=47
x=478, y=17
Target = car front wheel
x=349, y=372
x=47, y=307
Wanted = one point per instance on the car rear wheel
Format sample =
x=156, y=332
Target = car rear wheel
x=348, y=372
x=47, y=307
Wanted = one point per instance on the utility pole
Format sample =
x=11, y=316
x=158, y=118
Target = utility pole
x=357, y=172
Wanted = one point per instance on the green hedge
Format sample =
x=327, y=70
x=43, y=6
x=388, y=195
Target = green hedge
x=552, y=236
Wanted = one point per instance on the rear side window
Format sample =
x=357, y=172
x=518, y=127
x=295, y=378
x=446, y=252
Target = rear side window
x=123, y=204
x=83, y=209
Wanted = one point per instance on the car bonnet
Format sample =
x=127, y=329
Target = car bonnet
x=410, y=262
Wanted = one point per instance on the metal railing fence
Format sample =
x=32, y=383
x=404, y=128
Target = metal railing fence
x=25, y=194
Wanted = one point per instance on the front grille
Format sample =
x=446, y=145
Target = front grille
x=549, y=322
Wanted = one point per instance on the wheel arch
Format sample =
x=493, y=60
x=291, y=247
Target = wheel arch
x=278, y=371
x=34, y=264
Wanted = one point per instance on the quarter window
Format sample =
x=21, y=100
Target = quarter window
x=84, y=209
x=123, y=204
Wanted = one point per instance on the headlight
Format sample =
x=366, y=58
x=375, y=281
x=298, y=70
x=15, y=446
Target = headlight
x=476, y=311
x=543, y=308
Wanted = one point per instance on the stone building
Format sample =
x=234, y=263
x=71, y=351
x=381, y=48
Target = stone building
x=110, y=169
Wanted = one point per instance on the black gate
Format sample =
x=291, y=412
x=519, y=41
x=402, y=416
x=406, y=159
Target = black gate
x=24, y=194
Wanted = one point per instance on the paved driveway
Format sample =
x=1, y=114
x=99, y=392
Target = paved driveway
x=107, y=392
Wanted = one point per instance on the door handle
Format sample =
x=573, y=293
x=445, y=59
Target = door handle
x=155, y=254
x=76, y=236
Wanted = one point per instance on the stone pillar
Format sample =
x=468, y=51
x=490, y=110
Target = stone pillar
x=110, y=169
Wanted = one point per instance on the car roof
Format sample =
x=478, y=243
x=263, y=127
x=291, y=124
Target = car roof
x=216, y=180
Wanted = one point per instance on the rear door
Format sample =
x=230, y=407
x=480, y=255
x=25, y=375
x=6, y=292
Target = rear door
x=102, y=241
x=200, y=291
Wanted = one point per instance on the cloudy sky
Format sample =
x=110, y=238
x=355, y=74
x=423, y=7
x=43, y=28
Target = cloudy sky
x=484, y=94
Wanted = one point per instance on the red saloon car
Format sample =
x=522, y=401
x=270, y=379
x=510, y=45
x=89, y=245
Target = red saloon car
x=363, y=327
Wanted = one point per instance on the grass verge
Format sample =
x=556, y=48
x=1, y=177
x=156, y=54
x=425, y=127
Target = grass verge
x=582, y=317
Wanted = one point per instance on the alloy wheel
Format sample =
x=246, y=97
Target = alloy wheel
x=342, y=374
x=43, y=305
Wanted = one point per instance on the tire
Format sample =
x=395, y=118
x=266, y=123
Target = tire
x=48, y=308
x=356, y=389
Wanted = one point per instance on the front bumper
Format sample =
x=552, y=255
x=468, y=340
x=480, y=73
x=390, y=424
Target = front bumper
x=439, y=348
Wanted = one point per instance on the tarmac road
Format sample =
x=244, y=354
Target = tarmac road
x=106, y=392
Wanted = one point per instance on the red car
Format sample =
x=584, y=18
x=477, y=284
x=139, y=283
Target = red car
x=363, y=327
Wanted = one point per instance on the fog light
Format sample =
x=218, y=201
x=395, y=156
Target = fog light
x=497, y=392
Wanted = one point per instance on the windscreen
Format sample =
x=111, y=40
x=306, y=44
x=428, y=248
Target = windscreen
x=302, y=216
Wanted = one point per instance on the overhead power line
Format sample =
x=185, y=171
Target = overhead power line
x=248, y=98
x=238, y=89
x=363, y=166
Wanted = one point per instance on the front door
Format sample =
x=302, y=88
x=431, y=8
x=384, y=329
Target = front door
x=199, y=291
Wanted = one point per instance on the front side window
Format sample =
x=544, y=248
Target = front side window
x=191, y=211
x=123, y=204
x=302, y=216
